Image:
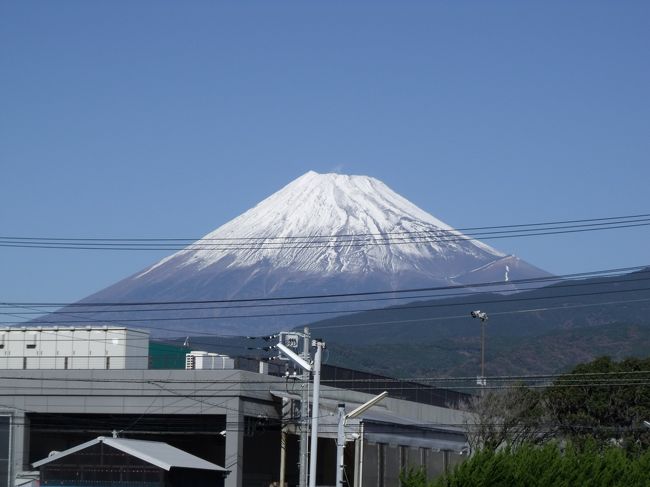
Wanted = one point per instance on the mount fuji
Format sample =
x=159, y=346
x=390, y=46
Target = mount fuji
x=320, y=234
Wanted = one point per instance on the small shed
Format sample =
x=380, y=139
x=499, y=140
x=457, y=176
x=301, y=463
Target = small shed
x=136, y=463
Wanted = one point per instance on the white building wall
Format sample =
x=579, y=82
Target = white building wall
x=64, y=347
x=208, y=360
x=135, y=350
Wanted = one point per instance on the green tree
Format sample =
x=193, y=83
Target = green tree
x=414, y=477
x=551, y=465
x=603, y=400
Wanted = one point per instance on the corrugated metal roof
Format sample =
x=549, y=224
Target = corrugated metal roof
x=156, y=453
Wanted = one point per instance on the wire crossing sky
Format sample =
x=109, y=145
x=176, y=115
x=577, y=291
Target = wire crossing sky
x=150, y=119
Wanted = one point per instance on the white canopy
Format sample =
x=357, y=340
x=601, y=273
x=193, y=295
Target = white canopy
x=156, y=453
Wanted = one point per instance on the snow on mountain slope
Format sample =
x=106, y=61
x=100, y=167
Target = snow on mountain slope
x=331, y=223
x=322, y=233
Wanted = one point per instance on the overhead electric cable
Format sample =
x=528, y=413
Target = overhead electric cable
x=184, y=331
x=598, y=273
x=271, y=237
x=358, y=310
x=424, y=236
x=468, y=291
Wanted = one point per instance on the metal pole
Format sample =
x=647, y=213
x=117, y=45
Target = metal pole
x=481, y=315
x=483, y=352
x=340, y=445
x=362, y=440
x=357, y=448
x=304, y=413
x=313, y=454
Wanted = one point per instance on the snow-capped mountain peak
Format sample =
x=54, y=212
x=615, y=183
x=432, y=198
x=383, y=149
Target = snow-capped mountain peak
x=320, y=234
x=331, y=223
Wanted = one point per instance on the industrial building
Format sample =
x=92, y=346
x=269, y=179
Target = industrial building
x=69, y=347
x=223, y=414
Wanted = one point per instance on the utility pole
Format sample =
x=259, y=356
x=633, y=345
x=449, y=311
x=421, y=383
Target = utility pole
x=313, y=454
x=304, y=412
x=340, y=445
x=287, y=354
x=283, y=440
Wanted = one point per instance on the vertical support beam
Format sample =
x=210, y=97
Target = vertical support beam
x=313, y=454
x=482, y=381
x=357, y=459
x=304, y=413
x=340, y=446
x=362, y=440
x=19, y=439
x=234, y=458
x=283, y=439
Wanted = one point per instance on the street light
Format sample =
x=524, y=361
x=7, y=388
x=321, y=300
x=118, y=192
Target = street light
x=481, y=315
x=340, y=437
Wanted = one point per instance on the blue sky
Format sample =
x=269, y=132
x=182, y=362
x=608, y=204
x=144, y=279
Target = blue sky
x=167, y=119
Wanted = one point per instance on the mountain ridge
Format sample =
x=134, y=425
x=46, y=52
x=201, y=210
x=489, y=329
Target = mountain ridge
x=321, y=233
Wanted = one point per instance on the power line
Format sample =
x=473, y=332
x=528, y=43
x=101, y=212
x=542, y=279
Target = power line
x=572, y=223
x=468, y=291
x=513, y=282
x=581, y=378
x=464, y=316
x=429, y=237
x=368, y=310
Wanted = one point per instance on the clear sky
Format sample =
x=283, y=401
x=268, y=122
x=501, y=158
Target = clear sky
x=167, y=119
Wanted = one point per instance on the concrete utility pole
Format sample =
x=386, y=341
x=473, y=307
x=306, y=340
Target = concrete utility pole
x=304, y=412
x=283, y=440
x=313, y=454
x=289, y=354
x=340, y=445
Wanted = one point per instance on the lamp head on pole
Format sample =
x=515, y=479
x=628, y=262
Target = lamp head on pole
x=481, y=315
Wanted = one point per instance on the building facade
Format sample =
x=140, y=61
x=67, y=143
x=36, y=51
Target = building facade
x=230, y=417
x=69, y=347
